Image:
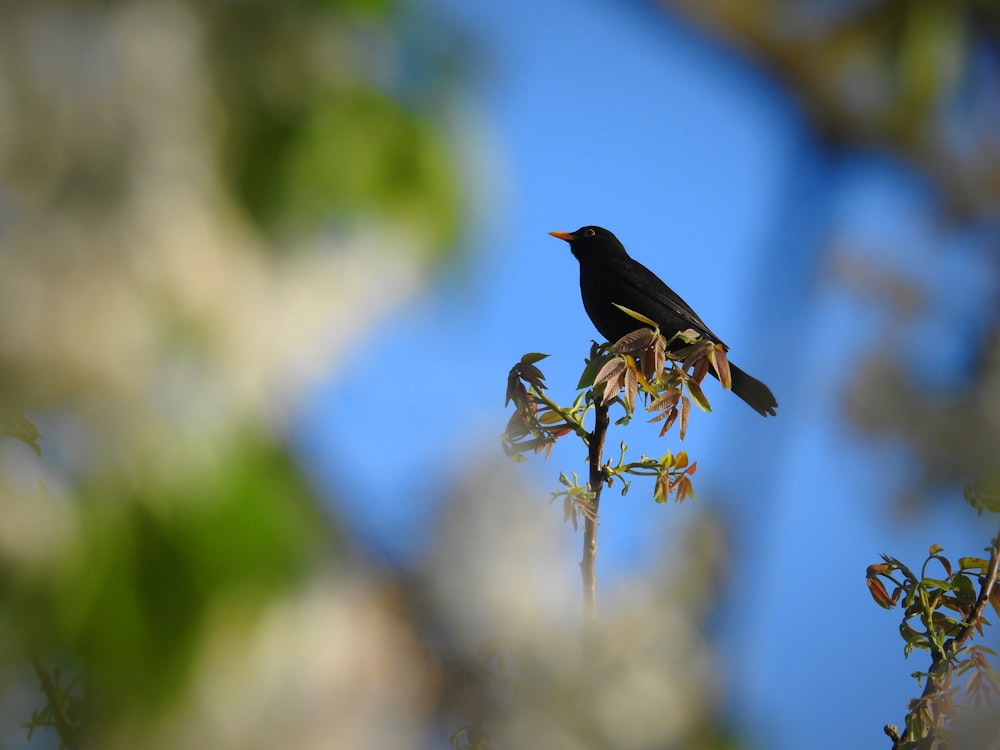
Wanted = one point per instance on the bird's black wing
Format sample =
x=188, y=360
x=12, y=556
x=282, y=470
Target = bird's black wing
x=645, y=285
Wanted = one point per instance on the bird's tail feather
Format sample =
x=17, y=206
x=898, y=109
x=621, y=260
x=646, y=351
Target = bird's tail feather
x=751, y=390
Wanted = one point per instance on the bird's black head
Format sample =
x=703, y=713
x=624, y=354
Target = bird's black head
x=591, y=242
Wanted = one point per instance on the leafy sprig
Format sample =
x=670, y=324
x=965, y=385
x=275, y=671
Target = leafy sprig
x=944, y=608
x=642, y=366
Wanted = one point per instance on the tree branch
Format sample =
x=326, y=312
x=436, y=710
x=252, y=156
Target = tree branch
x=974, y=619
x=587, y=565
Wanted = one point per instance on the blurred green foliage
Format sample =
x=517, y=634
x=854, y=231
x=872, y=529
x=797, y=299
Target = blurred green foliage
x=314, y=124
x=154, y=557
x=158, y=159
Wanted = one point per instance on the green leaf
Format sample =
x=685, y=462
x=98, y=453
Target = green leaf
x=532, y=357
x=550, y=418
x=912, y=637
x=699, y=397
x=638, y=316
x=965, y=591
x=935, y=548
x=688, y=336
x=936, y=582
x=945, y=625
x=972, y=563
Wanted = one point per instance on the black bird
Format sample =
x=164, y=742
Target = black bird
x=609, y=276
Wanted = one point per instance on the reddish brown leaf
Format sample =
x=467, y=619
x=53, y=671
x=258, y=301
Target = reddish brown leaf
x=877, y=589
x=720, y=363
x=685, y=413
x=661, y=491
x=671, y=418
x=611, y=391
x=700, y=370
x=515, y=388
x=879, y=594
x=945, y=562
x=516, y=427
x=666, y=401
x=635, y=341
x=612, y=369
x=524, y=446
x=647, y=363
x=532, y=374
x=631, y=387
x=541, y=444
x=586, y=507
x=684, y=489
x=612, y=375
x=694, y=354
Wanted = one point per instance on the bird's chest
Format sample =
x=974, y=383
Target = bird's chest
x=602, y=289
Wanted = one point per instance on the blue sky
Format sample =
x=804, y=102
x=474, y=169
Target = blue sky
x=608, y=113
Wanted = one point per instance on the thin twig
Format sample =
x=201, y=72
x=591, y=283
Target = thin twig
x=566, y=414
x=588, y=563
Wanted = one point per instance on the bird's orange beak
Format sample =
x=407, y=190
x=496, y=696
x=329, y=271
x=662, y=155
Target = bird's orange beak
x=567, y=236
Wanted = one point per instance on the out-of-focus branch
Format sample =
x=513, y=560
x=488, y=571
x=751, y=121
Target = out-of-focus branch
x=882, y=75
x=61, y=721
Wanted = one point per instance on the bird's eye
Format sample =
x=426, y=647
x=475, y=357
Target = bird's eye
x=589, y=233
